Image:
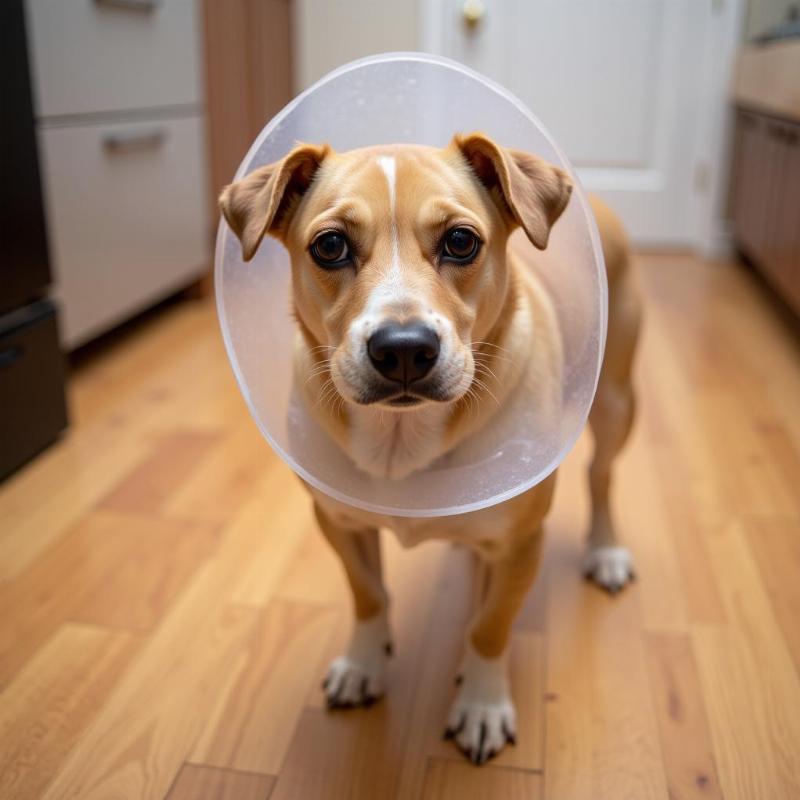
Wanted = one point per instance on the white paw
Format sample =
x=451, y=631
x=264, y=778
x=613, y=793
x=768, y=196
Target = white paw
x=609, y=567
x=357, y=678
x=482, y=719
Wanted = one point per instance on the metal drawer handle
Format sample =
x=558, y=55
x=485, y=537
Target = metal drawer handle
x=131, y=5
x=125, y=141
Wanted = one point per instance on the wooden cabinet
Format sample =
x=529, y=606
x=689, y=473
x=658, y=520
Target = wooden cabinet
x=766, y=199
x=248, y=61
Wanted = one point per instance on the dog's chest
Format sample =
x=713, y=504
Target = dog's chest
x=472, y=529
x=484, y=530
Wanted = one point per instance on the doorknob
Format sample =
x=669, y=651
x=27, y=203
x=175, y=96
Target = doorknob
x=473, y=11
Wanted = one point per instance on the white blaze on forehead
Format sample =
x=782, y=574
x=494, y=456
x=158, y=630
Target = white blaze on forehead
x=389, y=166
x=391, y=289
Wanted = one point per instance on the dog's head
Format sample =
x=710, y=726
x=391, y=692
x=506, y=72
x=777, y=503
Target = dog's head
x=398, y=255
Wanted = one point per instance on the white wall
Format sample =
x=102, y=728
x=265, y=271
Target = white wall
x=329, y=33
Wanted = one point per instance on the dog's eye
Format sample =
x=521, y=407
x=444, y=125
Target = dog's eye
x=330, y=250
x=460, y=246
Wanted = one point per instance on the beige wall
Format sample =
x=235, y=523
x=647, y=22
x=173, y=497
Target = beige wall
x=764, y=14
x=329, y=33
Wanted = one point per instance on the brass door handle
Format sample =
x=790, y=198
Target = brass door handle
x=473, y=11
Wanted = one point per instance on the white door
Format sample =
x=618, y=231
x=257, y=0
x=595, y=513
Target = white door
x=621, y=84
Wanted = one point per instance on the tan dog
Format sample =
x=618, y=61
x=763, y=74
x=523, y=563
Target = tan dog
x=414, y=309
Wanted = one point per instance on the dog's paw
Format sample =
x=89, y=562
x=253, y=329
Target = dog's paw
x=350, y=684
x=611, y=568
x=357, y=678
x=482, y=719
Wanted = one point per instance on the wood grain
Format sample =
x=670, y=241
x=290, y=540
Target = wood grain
x=248, y=59
x=167, y=606
x=262, y=698
x=148, y=486
x=747, y=673
x=453, y=780
x=52, y=702
x=111, y=569
x=775, y=544
x=196, y=782
x=683, y=727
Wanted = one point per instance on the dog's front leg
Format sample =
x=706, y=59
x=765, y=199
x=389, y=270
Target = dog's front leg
x=482, y=718
x=357, y=676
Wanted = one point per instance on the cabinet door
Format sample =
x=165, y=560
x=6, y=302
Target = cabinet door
x=126, y=207
x=96, y=56
x=756, y=168
x=783, y=258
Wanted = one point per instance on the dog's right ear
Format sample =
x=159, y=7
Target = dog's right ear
x=264, y=201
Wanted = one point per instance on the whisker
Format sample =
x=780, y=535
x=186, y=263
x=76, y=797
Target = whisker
x=491, y=344
x=321, y=347
x=478, y=356
x=485, y=388
x=482, y=369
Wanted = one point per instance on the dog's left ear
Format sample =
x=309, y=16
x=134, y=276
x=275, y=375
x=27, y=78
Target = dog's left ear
x=530, y=191
x=263, y=201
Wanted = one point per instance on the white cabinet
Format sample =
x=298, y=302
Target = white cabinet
x=126, y=216
x=97, y=56
x=121, y=134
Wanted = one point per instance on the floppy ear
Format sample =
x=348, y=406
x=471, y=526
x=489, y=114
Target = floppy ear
x=530, y=191
x=264, y=201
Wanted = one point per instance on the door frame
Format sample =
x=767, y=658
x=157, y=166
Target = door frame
x=709, y=233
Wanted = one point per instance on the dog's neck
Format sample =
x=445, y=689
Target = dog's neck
x=392, y=444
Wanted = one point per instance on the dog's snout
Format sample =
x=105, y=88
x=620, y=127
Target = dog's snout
x=403, y=353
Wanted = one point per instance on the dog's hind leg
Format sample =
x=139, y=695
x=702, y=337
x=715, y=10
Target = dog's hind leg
x=607, y=562
x=357, y=677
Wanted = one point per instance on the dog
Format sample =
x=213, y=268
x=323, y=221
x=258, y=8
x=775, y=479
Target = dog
x=416, y=308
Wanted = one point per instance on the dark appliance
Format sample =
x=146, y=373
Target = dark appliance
x=32, y=404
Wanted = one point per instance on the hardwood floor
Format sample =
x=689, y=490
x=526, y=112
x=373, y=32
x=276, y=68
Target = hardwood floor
x=167, y=607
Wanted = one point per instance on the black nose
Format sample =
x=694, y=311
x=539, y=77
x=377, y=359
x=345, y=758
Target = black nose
x=403, y=353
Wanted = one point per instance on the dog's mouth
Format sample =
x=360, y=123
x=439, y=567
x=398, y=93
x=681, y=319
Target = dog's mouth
x=402, y=397
x=405, y=400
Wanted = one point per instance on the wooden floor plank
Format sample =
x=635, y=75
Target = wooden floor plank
x=683, y=726
x=750, y=685
x=153, y=482
x=52, y=701
x=153, y=719
x=454, y=780
x=199, y=782
x=120, y=570
x=259, y=702
x=228, y=477
x=160, y=709
x=156, y=560
x=288, y=525
x=775, y=544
